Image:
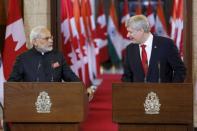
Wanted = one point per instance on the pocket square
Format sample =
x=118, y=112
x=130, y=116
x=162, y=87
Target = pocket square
x=55, y=65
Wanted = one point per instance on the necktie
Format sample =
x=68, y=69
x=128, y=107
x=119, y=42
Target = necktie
x=144, y=59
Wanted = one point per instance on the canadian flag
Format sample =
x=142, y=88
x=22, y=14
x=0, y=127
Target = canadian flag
x=123, y=29
x=101, y=34
x=81, y=36
x=92, y=48
x=65, y=33
x=14, y=38
x=69, y=30
x=125, y=17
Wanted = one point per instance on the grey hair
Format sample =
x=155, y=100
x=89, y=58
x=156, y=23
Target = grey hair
x=138, y=22
x=35, y=32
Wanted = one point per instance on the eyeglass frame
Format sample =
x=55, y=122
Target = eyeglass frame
x=46, y=38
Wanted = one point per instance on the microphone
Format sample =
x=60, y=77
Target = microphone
x=159, y=72
x=37, y=75
x=145, y=79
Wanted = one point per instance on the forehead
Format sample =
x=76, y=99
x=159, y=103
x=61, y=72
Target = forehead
x=130, y=29
x=45, y=32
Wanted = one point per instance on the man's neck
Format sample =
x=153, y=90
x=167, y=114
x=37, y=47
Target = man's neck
x=145, y=37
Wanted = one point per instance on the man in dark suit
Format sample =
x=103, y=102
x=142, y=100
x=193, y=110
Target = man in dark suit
x=41, y=63
x=150, y=58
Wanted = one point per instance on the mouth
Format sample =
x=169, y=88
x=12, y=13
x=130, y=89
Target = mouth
x=50, y=46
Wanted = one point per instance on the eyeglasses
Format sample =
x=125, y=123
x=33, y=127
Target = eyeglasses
x=47, y=38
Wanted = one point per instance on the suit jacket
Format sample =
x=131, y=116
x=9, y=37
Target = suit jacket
x=165, y=53
x=34, y=66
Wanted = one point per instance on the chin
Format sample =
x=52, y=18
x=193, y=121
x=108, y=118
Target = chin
x=133, y=41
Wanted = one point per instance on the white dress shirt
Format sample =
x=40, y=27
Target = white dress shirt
x=148, y=48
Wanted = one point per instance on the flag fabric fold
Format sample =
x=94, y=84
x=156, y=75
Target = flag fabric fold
x=123, y=30
x=101, y=34
x=177, y=25
x=15, y=37
x=91, y=47
x=14, y=42
x=115, y=43
x=160, y=25
x=138, y=9
x=151, y=17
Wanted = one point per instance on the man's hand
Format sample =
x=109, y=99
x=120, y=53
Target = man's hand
x=90, y=91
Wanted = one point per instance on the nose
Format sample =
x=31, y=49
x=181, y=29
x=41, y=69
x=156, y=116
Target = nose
x=50, y=40
x=128, y=34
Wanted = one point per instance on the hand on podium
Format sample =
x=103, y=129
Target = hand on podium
x=90, y=92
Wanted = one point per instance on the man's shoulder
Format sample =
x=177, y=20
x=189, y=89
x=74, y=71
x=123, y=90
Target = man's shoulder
x=162, y=41
x=132, y=46
x=162, y=38
x=56, y=53
x=25, y=54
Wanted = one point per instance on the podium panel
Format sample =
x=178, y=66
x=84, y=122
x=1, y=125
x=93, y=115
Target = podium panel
x=40, y=105
x=173, y=106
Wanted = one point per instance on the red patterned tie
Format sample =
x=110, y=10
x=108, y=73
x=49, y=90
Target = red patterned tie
x=144, y=59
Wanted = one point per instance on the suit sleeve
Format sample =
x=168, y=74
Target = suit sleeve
x=68, y=74
x=127, y=74
x=176, y=63
x=17, y=71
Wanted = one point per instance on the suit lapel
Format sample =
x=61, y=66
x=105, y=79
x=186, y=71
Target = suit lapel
x=154, y=56
x=138, y=62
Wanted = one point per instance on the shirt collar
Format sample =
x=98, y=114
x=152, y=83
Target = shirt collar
x=39, y=52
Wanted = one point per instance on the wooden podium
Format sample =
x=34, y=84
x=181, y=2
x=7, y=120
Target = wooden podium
x=175, y=112
x=68, y=101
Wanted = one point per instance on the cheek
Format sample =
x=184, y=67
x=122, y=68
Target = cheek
x=42, y=43
x=38, y=44
x=138, y=36
x=130, y=35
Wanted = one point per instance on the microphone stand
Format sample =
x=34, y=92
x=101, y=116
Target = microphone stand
x=52, y=79
x=159, y=79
